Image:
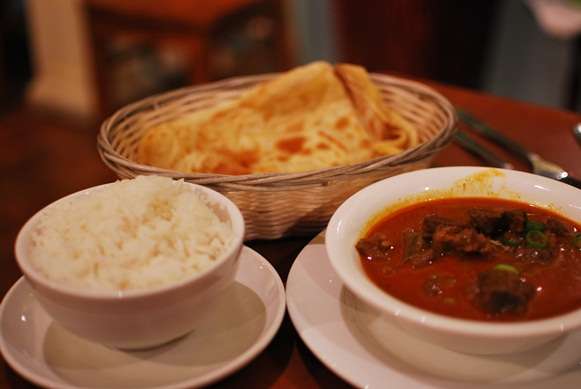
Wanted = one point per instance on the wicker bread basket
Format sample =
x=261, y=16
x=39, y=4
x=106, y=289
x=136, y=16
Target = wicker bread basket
x=276, y=205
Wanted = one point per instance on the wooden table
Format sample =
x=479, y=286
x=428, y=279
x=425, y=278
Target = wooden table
x=43, y=157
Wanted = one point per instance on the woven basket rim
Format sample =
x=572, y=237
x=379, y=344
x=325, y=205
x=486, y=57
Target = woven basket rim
x=109, y=154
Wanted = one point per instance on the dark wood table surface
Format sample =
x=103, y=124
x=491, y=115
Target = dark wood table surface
x=44, y=157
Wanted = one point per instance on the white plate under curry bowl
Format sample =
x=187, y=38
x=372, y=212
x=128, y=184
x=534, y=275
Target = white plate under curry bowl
x=335, y=325
x=245, y=319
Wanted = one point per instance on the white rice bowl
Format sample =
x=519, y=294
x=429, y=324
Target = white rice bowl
x=136, y=234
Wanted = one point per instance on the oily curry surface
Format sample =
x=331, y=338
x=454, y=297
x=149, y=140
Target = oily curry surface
x=477, y=258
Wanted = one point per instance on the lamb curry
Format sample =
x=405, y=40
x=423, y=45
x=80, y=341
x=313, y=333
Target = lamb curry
x=477, y=258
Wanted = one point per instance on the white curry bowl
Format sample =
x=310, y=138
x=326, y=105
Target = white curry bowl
x=469, y=336
x=136, y=319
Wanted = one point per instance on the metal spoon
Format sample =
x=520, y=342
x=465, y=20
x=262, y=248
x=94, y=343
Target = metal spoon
x=577, y=132
x=538, y=165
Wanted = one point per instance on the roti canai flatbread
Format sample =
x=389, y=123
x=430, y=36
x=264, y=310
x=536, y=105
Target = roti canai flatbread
x=392, y=132
x=315, y=116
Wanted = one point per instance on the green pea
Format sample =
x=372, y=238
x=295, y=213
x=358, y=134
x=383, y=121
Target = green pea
x=536, y=239
x=506, y=267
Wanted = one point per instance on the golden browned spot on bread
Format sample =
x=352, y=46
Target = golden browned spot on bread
x=266, y=115
x=323, y=146
x=236, y=162
x=247, y=104
x=267, y=111
x=295, y=127
x=202, y=137
x=342, y=123
x=390, y=132
x=248, y=157
x=218, y=115
x=365, y=143
x=291, y=145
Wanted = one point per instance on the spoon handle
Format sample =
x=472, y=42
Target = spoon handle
x=479, y=150
x=577, y=133
x=494, y=135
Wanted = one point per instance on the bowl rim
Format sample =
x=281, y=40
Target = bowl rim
x=36, y=277
x=394, y=307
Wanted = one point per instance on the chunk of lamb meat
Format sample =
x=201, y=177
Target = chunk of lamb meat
x=416, y=252
x=500, y=291
x=431, y=222
x=487, y=222
x=375, y=247
x=422, y=258
x=557, y=228
x=464, y=240
x=513, y=222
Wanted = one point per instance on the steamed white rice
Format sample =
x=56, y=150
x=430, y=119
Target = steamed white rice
x=134, y=234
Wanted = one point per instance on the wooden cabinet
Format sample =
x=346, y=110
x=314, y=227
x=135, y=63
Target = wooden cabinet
x=144, y=47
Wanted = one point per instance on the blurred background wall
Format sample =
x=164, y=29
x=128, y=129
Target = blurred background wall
x=15, y=67
x=89, y=57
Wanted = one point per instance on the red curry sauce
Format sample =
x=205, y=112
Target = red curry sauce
x=553, y=280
